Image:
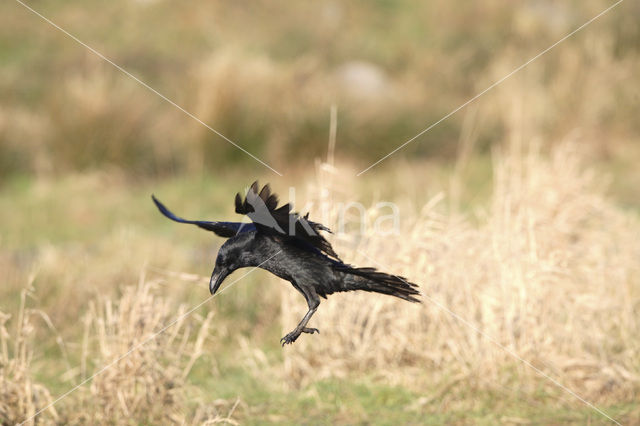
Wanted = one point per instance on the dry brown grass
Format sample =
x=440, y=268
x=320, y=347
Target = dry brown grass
x=549, y=271
x=148, y=385
x=136, y=353
x=547, y=268
x=21, y=397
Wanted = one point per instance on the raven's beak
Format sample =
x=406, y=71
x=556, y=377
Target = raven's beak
x=217, y=277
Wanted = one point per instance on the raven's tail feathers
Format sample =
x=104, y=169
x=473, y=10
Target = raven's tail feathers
x=370, y=279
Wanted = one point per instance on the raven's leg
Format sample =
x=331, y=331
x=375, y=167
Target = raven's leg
x=313, y=301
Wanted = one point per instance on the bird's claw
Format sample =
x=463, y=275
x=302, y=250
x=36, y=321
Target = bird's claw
x=293, y=336
x=289, y=338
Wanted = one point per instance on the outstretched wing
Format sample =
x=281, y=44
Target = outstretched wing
x=262, y=208
x=223, y=229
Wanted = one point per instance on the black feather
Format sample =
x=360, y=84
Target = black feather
x=223, y=229
x=289, y=224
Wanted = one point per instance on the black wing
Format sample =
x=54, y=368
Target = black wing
x=262, y=208
x=223, y=229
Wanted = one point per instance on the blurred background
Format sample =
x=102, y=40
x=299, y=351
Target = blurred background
x=522, y=208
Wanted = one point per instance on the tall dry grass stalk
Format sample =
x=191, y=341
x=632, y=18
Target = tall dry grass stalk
x=550, y=271
x=148, y=385
x=20, y=396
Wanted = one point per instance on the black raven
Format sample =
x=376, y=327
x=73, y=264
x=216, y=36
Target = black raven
x=290, y=246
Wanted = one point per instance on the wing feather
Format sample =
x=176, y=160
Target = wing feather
x=223, y=229
x=262, y=208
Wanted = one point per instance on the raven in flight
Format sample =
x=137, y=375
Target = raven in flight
x=290, y=246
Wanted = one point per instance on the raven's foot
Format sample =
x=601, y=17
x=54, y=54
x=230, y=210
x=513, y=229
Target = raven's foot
x=293, y=336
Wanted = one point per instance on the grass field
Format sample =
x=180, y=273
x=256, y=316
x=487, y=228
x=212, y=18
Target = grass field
x=546, y=270
x=518, y=215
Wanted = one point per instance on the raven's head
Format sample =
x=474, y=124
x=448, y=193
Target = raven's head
x=232, y=255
